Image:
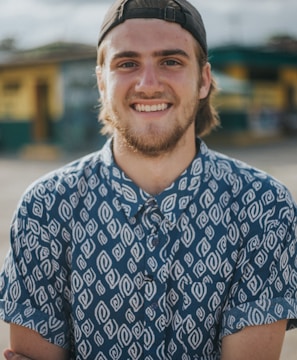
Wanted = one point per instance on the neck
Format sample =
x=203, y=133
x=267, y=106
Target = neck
x=154, y=174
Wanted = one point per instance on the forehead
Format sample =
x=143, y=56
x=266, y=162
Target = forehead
x=148, y=35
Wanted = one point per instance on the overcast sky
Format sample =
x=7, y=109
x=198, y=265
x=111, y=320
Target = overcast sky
x=37, y=22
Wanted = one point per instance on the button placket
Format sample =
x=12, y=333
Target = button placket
x=154, y=288
x=152, y=262
x=152, y=218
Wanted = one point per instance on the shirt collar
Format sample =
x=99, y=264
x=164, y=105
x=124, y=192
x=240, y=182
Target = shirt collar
x=172, y=201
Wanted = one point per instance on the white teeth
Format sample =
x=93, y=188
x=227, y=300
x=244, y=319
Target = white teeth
x=150, y=108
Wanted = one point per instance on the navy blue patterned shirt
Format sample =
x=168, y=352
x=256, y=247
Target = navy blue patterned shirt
x=108, y=271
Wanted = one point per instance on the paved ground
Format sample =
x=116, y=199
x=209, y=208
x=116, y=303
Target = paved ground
x=279, y=159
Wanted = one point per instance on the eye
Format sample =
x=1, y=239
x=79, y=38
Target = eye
x=171, y=62
x=127, y=64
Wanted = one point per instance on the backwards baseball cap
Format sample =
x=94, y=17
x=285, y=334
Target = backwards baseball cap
x=177, y=11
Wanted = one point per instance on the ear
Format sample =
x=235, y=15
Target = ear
x=100, y=80
x=205, y=81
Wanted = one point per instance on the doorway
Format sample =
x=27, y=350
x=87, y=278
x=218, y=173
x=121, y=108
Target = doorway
x=41, y=124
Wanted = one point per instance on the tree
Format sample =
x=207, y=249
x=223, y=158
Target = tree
x=8, y=44
x=283, y=42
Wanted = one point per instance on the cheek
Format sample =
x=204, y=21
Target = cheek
x=193, y=89
x=190, y=83
x=107, y=84
x=111, y=94
x=118, y=92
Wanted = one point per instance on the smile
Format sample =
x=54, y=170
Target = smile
x=151, y=108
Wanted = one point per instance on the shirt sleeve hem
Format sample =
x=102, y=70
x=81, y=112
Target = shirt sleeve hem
x=260, y=312
x=50, y=328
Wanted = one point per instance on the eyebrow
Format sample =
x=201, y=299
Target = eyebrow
x=135, y=54
x=171, y=52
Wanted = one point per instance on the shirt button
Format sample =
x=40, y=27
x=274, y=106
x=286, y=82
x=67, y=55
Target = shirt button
x=154, y=306
x=155, y=241
x=151, y=202
x=148, y=277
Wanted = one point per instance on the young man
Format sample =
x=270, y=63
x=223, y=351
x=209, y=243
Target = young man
x=154, y=247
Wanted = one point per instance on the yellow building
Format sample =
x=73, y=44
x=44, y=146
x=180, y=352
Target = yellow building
x=48, y=95
x=269, y=108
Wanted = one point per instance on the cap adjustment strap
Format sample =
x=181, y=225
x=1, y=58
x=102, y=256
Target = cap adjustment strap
x=169, y=14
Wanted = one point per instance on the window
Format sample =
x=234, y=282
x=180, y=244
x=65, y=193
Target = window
x=11, y=87
x=263, y=74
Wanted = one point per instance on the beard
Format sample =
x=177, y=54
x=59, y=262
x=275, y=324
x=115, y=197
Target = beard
x=154, y=141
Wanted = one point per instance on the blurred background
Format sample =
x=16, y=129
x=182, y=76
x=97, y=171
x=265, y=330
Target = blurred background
x=48, y=94
x=49, y=99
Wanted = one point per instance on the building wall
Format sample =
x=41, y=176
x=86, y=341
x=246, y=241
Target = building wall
x=79, y=128
x=30, y=103
x=55, y=103
x=271, y=106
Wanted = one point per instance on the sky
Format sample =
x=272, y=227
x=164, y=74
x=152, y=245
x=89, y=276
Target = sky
x=37, y=22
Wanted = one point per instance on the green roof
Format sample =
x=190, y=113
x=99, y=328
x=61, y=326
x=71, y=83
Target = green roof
x=51, y=53
x=252, y=56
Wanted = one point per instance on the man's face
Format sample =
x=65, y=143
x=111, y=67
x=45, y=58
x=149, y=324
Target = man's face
x=149, y=84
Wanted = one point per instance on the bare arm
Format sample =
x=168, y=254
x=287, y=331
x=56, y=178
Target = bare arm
x=28, y=344
x=255, y=343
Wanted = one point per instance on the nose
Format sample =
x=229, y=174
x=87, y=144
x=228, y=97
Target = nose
x=149, y=80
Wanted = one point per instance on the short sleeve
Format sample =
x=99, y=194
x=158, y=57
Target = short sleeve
x=32, y=282
x=264, y=288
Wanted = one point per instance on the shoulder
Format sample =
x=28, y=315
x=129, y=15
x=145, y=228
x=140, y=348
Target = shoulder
x=230, y=169
x=238, y=173
x=76, y=177
x=246, y=185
